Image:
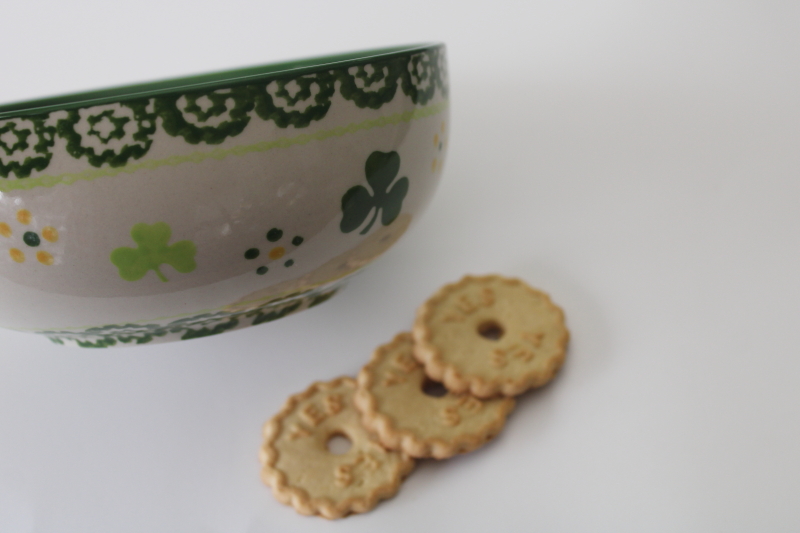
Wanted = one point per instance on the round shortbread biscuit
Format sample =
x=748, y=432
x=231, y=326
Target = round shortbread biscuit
x=490, y=335
x=305, y=474
x=394, y=406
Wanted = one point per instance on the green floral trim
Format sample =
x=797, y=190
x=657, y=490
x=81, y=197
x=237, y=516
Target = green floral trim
x=316, y=109
x=119, y=116
x=234, y=103
x=221, y=153
x=20, y=130
x=194, y=327
x=124, y=130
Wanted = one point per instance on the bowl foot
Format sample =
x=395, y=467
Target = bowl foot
x=194, y=327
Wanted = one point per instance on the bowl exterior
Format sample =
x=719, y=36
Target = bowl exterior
x=181, y=215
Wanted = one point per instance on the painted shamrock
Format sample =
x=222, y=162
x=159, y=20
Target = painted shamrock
x=357, y=203
x=153, y=251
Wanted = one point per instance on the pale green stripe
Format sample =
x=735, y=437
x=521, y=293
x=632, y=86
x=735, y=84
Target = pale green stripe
x=221, y=153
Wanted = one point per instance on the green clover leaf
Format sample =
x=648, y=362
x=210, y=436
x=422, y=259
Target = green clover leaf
x=357, y=203
x=153, y=251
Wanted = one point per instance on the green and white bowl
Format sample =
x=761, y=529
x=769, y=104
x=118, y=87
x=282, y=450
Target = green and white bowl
x=190, y=207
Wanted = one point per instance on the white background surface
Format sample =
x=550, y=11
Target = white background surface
x=640, y=161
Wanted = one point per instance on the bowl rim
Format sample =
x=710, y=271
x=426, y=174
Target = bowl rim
x=205, y=81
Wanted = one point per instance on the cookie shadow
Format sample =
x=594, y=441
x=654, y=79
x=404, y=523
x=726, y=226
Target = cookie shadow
x=589, y=353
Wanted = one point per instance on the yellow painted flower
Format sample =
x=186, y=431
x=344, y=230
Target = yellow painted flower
x=31, y=238
x=277, y=252
x=338, y=267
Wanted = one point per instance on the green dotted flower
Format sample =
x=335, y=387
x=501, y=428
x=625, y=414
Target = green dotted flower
x=153, y=251
x=276, y=252
x=25, y=146
x=13, y=138
x=296, y=101
x=112, y=134
x=105, y=126
x=209, y=117
x=372, y=85
x=422, y=77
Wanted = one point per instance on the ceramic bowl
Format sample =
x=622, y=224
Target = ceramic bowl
x=191, y=207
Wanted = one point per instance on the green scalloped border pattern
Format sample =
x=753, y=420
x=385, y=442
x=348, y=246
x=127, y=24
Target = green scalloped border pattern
x=210, y=116
x=222, y=153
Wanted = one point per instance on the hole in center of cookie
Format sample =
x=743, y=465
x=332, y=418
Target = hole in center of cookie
x=490, y=330
x=433, y=388
x=338, y=443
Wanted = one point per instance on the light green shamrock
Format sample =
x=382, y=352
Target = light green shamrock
x=153, y=251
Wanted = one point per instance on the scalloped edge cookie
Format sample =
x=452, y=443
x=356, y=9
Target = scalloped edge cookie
x=389, y=427
x=298, y=497
x=455, y=379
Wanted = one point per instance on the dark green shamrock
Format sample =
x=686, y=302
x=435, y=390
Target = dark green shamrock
x=381, y=168
x=153, y=251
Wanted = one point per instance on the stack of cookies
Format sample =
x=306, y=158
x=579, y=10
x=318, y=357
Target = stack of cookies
x=443, y=389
